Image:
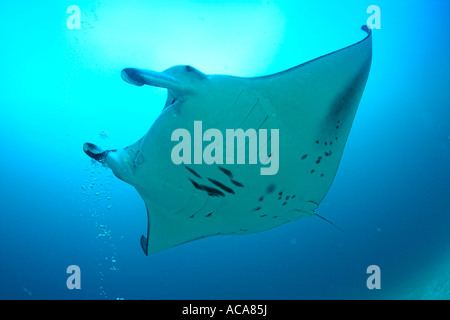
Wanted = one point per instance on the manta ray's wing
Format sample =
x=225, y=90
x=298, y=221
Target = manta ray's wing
x=314, y=105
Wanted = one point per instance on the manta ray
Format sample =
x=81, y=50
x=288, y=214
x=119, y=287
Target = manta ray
x=312, y=105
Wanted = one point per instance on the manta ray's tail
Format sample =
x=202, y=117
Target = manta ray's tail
x=328, y=221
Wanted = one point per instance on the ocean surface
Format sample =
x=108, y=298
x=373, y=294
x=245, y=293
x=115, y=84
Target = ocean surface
x=61, y=87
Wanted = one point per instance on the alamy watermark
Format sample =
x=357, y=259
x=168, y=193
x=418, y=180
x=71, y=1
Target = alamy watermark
x=74, y=20
x=235, y=147
x=74, y=280
x=374, y=21
x=374, y=280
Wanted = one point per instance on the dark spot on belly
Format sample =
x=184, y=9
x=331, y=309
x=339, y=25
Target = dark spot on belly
x=270, y=188
x=304, y=156
x=195, y=184
x=193, y=172
x=213, y=191
x=257, y=209
x=209, y=190
x=237, y=183
x=209, y=214
x=221, y=186
x=227, y=172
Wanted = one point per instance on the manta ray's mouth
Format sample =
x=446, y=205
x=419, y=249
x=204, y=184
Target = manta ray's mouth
x=171, y=100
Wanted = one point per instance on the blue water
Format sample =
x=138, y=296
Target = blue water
x=62, y=87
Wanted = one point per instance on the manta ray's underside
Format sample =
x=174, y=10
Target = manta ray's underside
x=312, y=105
